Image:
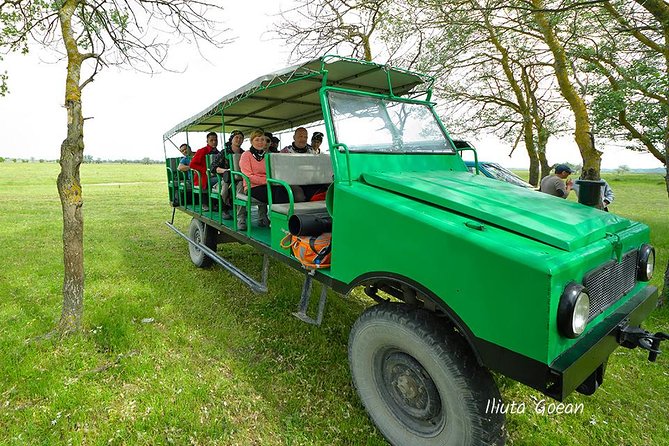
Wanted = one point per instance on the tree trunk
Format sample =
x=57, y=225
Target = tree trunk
x=664, y=296
x=545, y=167
x=666, y=127
x=592, y=159
x=69, y=184
x=523, y=107
x=534, y=167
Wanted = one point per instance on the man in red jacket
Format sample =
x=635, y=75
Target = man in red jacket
x=199, y=162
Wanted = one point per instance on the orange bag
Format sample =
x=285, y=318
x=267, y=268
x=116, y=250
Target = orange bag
x=313, y=252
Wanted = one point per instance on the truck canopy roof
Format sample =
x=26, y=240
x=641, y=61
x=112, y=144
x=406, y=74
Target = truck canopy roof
x=289, y=97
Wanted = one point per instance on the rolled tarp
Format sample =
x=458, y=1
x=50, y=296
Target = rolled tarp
x=310, y=224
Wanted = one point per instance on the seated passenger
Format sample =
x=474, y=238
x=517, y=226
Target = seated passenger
x=274, y=144
x=220, y=165
x=184, y=162
x=306, y=192
x=199, y=163
x=316, y=141
x=299, y=144
x=252, y=164
x=268, y=141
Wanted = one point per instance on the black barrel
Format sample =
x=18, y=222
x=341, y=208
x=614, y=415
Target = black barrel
x=310, y=224
x=590, y=192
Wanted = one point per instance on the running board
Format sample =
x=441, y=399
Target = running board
x=258, y=287
x=301, y=314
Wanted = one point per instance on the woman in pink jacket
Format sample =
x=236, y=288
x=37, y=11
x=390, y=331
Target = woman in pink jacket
x=252, y=164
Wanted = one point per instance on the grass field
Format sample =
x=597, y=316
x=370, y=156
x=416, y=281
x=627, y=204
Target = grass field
x=171, y=354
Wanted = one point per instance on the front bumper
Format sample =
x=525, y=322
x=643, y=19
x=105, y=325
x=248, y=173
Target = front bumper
x=569, y=370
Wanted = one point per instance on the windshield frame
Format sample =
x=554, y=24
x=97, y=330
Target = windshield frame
x=449, y=146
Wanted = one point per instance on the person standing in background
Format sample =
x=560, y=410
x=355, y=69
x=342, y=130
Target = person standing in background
x=558, y=184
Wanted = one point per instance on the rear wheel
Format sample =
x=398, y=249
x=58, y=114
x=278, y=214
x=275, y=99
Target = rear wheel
x=419, y=380
x=205, y=235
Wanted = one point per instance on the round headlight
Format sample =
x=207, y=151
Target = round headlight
x=581, y=313
x=574, y=310
x=646, y=263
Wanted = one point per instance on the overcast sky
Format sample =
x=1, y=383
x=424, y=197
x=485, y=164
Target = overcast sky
x=130, y=111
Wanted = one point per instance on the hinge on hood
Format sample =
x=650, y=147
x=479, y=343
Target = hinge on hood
x=614, y=239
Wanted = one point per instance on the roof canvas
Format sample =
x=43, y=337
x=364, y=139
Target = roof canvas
x=289, y=97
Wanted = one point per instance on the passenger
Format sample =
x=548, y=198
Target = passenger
x=316, y=141
x=274, y=145
x=306, y=192
x=252, y=164
x=199, y=163
x=268, y=141
x=299, y=145
x=555, y=184
x=184, y=163
x=220, y=165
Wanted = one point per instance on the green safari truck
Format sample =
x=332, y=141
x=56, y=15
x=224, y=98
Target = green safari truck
x=470, y=275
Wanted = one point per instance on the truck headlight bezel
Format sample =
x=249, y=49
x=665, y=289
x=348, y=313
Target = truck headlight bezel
x=573, y=310
x=646, y=265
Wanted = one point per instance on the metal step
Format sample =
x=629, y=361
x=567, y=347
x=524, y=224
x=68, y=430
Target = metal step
x=301, y=314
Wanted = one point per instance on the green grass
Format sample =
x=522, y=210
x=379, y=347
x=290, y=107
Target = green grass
x=218, y=364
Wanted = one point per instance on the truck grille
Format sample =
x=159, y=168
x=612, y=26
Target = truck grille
x=610, y=282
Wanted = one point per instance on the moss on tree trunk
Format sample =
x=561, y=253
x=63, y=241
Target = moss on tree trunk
x=591, y=157
x=69, y=184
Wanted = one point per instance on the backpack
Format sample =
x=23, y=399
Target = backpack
x=313, y=252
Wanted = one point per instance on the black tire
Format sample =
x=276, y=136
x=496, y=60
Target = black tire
x=206, y=235
x=419, y=380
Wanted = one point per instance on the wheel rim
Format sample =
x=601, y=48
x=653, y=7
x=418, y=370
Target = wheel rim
x=198, y=240
x=410, y=393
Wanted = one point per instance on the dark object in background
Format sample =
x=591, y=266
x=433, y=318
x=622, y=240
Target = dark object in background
x=309, y=224
x=590, y=192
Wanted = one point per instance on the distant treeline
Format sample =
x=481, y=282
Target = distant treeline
x=87, y=159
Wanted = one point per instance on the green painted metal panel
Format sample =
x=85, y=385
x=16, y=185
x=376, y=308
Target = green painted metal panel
x=495, y=281
x=502, y=284
x=555, y=221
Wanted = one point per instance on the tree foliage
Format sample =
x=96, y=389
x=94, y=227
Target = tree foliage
x=313, y=28
x=623, y=57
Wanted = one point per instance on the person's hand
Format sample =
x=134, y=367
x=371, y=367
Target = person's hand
x=570, y=183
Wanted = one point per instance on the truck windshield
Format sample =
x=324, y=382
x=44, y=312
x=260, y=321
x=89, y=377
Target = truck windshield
x=504, y=174
x=371, y=124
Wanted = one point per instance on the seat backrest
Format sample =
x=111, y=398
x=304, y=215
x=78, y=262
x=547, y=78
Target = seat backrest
x=172, y=163
x=297, y=168
x=235, y=161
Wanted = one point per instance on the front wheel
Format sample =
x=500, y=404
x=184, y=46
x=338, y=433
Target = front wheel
x=419, y=380
x=204, y=234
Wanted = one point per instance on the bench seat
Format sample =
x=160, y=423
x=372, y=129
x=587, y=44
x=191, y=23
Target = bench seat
x=307, y=207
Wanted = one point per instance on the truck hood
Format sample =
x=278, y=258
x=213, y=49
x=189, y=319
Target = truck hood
x=555, y=221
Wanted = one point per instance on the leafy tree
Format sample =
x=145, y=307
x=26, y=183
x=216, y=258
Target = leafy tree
x=492, y=75
x=627, y=55
x=622, y=169
x=315, y=27
x=93, y=35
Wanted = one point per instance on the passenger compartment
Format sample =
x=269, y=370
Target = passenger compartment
x=298, y=170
